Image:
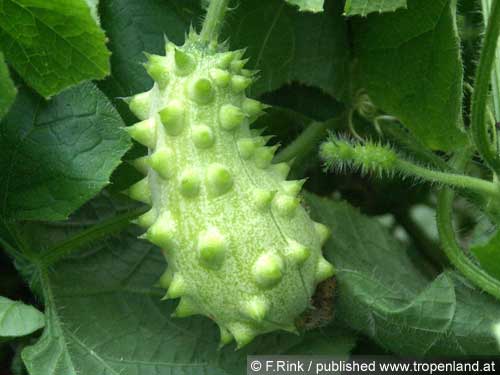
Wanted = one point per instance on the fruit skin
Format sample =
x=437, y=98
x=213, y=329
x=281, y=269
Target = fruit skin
x=240, y=248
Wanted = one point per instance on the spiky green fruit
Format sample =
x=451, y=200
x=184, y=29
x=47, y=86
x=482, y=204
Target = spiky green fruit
x=240, y=248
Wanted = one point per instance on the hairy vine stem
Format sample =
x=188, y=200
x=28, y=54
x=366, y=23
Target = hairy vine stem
x=455, y=253
x=451, y=179
x=486, y=6
x=479, y=123
x=383, y=160
x=449, y=243
x=213, y=20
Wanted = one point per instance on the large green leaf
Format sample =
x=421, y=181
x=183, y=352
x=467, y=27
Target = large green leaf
x=18, y=319
x=56, y=155
x=94, y=5
x=409, y=62
x=384, y=295
x=105, y=317
x=488, y=254
x=285, y=45
x=289, y=46
x=364, y=7
x=53, y=44
x=308, y=5
x=142, y=27
x=7, y=89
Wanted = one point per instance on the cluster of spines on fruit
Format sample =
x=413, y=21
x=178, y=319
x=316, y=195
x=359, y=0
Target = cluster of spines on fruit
x=195, y=123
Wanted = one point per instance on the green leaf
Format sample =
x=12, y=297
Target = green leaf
x=7, y=89
x=94, y=4
x=18, y=319
x=279, y=41
x=308, y=5
x=104, y=316
x=409, y=62
x=141, y=27
x=53, y=44
x=488, y=254
x=56, y=155
x=289, y=46
x=384, y=295
x=327, y=341
x=365, y=7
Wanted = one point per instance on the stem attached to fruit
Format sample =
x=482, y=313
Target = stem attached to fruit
x=213, y=21
x=479, y=124
x=452, y=249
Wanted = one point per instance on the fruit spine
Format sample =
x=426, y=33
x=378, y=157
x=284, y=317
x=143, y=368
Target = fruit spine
x=239, y=246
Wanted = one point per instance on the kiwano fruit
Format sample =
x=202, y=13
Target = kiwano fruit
x=239, y=246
